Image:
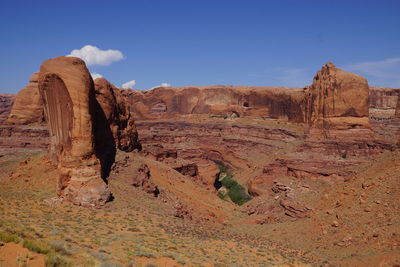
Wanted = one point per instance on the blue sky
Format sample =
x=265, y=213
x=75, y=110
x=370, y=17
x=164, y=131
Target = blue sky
x=201, y=42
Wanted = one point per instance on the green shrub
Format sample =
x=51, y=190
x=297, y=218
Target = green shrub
x=32, y=246
x=221, y=195
x=6, y=237
x=55, y=260
x=236, y=192
x=223, y=169
x=58, y=246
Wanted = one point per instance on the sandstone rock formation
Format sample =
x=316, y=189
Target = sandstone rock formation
x=117, y=114
x=6, y=102
x=397, y=113
x=336, y=93
x=383, y=97
x=28, y=107
x=68, y=94
x=229, y=101
x=397, y=120
x=87, y=122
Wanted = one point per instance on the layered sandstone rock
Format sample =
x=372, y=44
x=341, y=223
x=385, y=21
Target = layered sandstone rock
x=337, y=100
x=68, y=95
x=397, y=120
x=397, y=113
x=28, y=107
x=383, y=97
x=6, y=102
x=229, y=101
x=117, y=114
x=336, y=93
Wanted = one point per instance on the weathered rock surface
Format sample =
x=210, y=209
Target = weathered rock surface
x=117, y=114
x=383, y=97
x=337, y=101
x=397, y=113
x=68, y=94
x=24, y=136
x=263, y=102
x=336, y=93
x=28, y=107
x=6, y=102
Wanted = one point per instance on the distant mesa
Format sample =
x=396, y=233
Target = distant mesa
x=334, y=93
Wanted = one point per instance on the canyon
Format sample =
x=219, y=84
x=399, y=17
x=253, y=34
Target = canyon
x=266, y=159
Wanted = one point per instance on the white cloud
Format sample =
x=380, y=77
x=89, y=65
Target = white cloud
x=95, y=56
x=388, y=68
x=129, y=85
x=96, y=75
x=380, y=73
x=161, y=85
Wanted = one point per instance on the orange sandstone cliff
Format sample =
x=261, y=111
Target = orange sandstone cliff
x=28, y=107
x=86, y=126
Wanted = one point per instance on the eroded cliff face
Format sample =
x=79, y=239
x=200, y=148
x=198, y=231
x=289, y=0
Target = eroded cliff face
x=397, y=113
x=68, y=95
x=383, y=97
x=337, y=93
x=28, y=107
x=117, y=114
x=336, y=100
x=6, y=102
x=263, y=102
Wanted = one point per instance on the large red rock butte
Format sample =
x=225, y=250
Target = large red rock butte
x=81, y=139
x=336, y=93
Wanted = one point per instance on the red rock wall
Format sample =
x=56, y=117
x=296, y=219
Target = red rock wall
x=383, y=98
x=267, y=102
x=117, y=114
x=6, y=102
